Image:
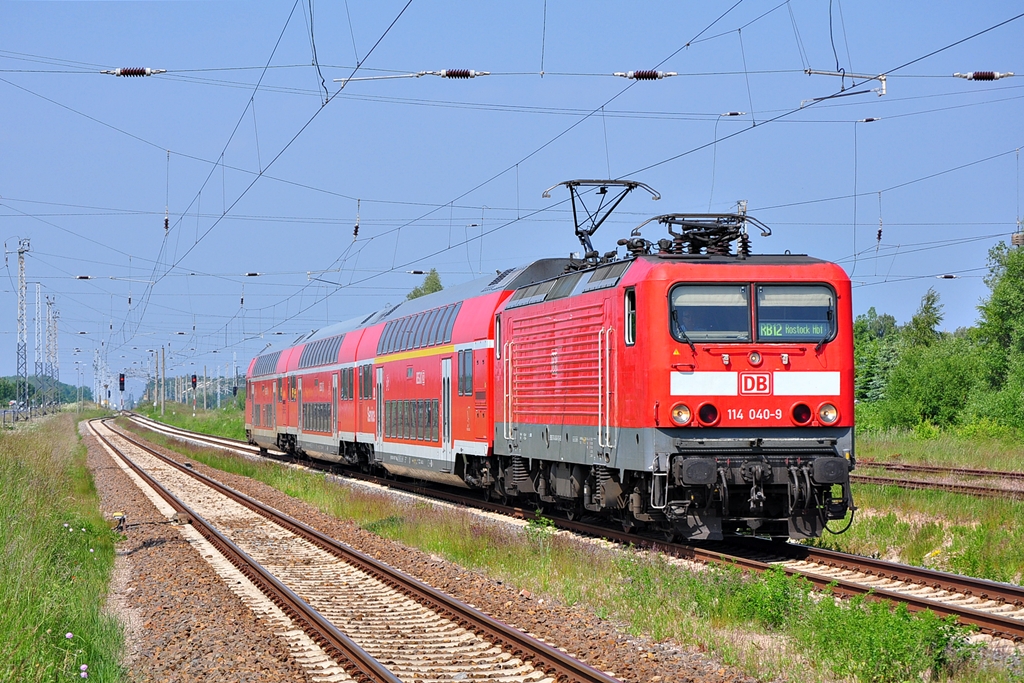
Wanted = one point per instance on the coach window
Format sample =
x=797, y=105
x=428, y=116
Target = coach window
x=410, y=333
x=450, y=323
x=462, y=372
x=630, y=314
x=414, y=334
x=795, y=313
x=392, y=339
x=428, y=332
x=442, y=324
x=700, y=313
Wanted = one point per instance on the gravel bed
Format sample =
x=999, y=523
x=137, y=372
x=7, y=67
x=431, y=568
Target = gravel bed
x=182, y=622
x=597, y=641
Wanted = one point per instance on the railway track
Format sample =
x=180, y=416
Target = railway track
x=995, y=608
x=964, y=480
x=952, y=487
x=380, y=624
x=914, y=468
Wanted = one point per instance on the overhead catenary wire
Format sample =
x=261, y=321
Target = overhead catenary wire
x=284, y=148
x=608, y=113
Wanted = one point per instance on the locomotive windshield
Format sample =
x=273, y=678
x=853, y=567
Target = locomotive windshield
x=790, y=313
x=710, y=313
x=721, y=313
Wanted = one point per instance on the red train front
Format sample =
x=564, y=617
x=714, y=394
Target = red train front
x=689, y=387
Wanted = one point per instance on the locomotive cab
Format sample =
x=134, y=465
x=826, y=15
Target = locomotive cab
x=758, y=431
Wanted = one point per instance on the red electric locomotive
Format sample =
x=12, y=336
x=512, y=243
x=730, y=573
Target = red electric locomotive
x=686, y=387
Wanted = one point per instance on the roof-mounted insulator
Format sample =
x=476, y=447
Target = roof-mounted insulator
x=647, y=75
x=134, y=71
x=462, y=73
x=983, y=75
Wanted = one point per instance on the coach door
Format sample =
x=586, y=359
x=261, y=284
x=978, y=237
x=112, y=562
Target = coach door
x=447, y=451
x=301, y=419
x=273, y=406
x=334, y=406
x=378, y=419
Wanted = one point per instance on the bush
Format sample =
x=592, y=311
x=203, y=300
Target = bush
x=932, y=383
x=775, y=597
x=871, y=417
x=985, y=428
x=875, y=642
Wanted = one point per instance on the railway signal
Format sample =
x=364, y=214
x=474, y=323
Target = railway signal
x=120, y=381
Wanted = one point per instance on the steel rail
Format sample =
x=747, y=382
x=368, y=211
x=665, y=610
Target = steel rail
x=982, y=588
x=917, y=485
x=988, y=622
x=939, y=469
x=354, y=659
x=513, y=640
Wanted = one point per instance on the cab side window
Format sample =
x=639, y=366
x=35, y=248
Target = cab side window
x=630, y=317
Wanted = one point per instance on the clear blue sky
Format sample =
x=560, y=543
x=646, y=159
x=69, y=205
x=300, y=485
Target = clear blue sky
x=450, y=172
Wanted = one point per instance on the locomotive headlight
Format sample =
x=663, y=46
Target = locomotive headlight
x=801, y=413
x=708, y=414
x=681, y=414
x=828, y=413
x=754, y=358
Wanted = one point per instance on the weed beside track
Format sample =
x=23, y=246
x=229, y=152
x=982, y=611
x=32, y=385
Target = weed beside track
x=56, y=560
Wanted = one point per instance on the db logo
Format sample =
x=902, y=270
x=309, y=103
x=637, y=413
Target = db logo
x=755, y=383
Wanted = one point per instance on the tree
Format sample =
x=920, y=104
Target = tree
x=431, y=284
x=871, y=325
x=874, y=346
x=920, y=331
x=1001, y=328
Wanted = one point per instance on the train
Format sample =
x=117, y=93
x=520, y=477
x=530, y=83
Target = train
x=687, y=387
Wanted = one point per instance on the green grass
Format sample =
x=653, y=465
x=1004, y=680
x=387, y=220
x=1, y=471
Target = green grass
x=717, y=609
x=57, y=557
x=933, y=447
x=227, y=421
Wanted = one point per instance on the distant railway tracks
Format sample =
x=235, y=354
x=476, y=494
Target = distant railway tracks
x=376, y=622
x=968, y=481
x=995, y=608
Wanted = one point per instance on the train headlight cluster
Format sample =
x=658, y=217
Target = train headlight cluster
x=681, y=414
x=828, y=413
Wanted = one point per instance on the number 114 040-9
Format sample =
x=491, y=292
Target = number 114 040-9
x=754, y=414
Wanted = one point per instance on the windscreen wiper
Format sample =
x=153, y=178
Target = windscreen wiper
x=682, y=331
x=828, y=317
